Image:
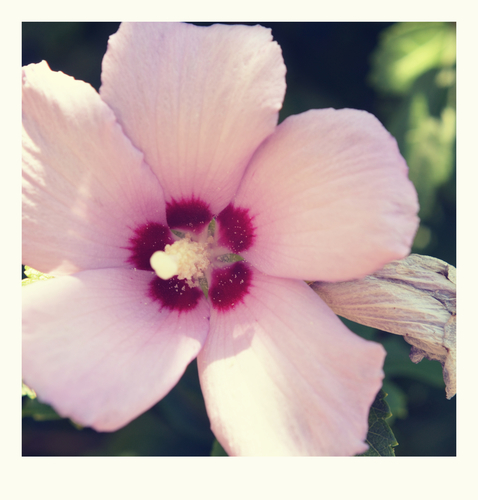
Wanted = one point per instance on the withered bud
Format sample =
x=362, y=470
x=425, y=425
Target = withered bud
x=414, y=297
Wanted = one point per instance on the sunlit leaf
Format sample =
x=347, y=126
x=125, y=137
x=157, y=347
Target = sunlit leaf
x=430, y=150
x=27, y=391
x=417, y=62
x=34, y=276
x=380, y=437
x=408, y=50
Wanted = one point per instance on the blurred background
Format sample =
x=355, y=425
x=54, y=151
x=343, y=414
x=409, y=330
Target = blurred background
x=404, y=73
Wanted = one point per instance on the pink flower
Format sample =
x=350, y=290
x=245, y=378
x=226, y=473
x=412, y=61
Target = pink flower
x=184, y=129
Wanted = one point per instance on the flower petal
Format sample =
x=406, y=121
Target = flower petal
x=98, y=349
x=282, y=375
x=197, y=101
x=85, y=187
x=329, y=197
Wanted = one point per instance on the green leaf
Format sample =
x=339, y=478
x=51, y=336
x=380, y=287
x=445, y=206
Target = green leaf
x=380, y=437
x=416, y=61
x=34, y=276
x=38, y=411
x=27, y=391
x=429, y=150
x=408, y=50
x=397, y=399
x=398, y=364
x=218, y=450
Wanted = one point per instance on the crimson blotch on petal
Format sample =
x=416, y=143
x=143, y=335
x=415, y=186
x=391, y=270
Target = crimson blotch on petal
x=192, y=214
x=174, y=294
x=229, y=286
x=236, y=229
x=148, y=238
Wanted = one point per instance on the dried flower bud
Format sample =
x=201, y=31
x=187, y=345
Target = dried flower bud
x=414, y=297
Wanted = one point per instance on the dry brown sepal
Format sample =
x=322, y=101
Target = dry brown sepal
x=414, y=297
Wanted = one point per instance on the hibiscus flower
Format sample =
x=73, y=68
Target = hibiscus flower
x=181, y=221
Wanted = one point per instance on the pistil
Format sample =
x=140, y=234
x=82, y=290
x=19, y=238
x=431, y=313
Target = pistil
x=185, y=259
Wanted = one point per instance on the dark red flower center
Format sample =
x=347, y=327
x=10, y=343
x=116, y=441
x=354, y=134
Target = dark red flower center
x=229, y=281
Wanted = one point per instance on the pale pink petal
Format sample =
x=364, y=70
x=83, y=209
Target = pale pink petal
x=85, y=186
x=98, y=349
x=282, y=375
x=197, y=101
x=329, y=198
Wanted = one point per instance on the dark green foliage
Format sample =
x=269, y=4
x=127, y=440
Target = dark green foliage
x=380, y=437
x=38, y=411
x=218, y=450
